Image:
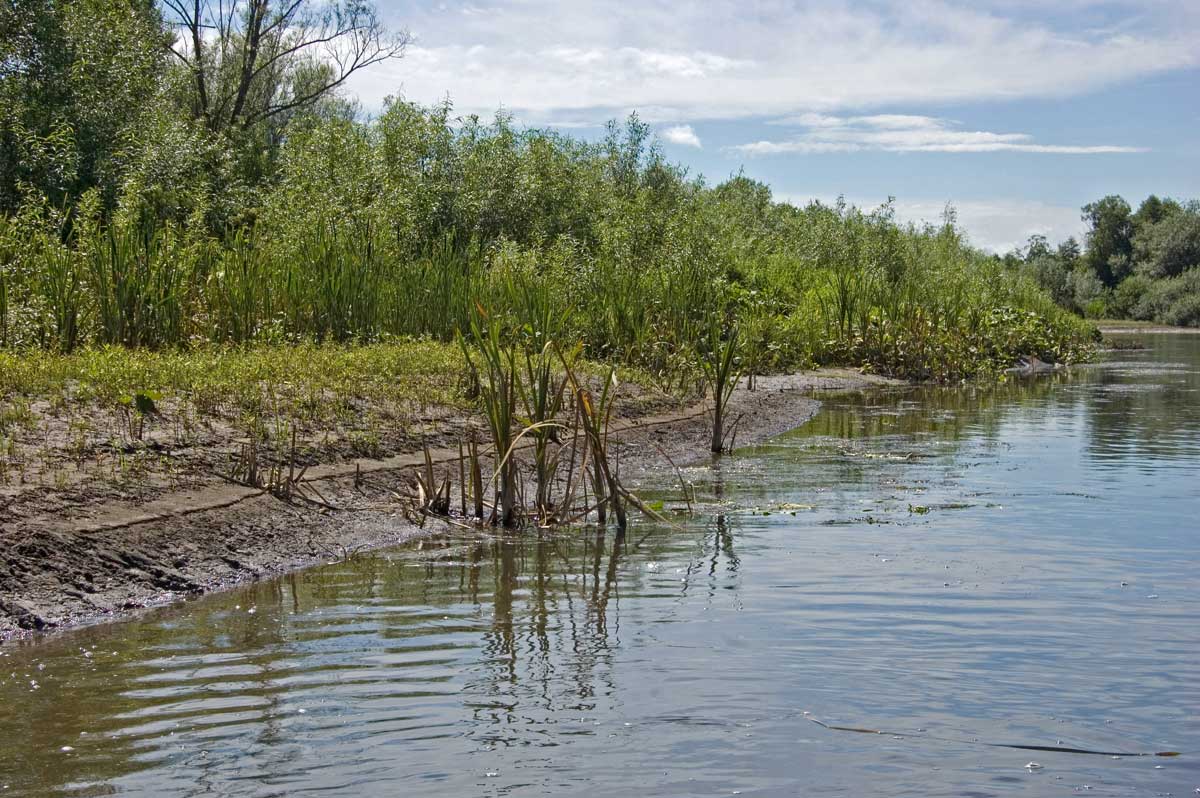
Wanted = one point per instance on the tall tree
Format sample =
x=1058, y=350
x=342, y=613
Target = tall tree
x=1170, y=246
x=251, y=61
x=75, y=78
x=1068, y=251
x=1153, y=210
x=1109, y=252
x=1038, y=246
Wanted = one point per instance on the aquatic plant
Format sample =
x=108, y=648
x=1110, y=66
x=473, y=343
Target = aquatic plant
x=497, y=379
x=721, y=366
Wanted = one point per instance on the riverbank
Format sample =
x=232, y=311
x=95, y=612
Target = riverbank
x=86, y=549
x=1123, y=326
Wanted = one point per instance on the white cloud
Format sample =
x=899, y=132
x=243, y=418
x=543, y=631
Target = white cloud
x=682, y=134
x=907, y=133
x=995, y=225
x=1001, y=225
x=594, y=59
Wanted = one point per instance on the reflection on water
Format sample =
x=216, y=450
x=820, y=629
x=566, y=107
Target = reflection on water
x=1012, y=564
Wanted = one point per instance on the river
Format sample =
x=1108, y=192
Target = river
x=960, y=568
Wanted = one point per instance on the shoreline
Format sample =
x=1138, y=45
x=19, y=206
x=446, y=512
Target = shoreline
x=59, y=573
x=1146, y=328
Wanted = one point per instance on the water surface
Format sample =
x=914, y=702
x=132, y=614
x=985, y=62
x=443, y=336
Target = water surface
x=1011, y=564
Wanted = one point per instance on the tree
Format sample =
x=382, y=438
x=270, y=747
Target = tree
x=76, y=76
x=251, y=61
x=1109, y=253
x=1171, y=246
x=1037, y=247
x=1053, y=276
x=1153, y=210
x=1069, y=252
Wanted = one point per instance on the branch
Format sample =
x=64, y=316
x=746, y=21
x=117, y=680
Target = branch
x=179, y=55
x=283, y=17
x=249, y=71
x=304, y=44
x=359, y=60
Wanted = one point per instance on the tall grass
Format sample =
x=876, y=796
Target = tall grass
x=722, y=368
x=239, y=291
x=139, y=276
x=497, y=378
x=905, y=306
x=432, y=293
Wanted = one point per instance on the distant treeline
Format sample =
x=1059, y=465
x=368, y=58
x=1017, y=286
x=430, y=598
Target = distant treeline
x=153, y=197
x=1142, y=264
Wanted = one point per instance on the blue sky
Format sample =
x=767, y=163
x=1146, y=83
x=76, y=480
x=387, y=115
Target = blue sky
x=1015, y=114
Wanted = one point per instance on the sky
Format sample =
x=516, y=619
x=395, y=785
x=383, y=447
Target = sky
x=1016, y=112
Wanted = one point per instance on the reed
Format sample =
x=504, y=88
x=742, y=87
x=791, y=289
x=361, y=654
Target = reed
x=62, y=287
x=239, y=290
x=497, y=370
x=138, y=274
x=722, y=368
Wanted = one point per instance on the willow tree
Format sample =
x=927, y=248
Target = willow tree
x=75, y=78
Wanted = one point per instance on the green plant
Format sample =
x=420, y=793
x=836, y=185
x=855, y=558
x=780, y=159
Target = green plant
x=722, y=369
x=498, y=394
x=139, y=275
x=594, y=414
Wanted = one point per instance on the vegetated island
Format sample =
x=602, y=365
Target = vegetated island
x=242, y=327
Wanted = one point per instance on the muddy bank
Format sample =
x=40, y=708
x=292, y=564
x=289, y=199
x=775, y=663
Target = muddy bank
x=59, y=570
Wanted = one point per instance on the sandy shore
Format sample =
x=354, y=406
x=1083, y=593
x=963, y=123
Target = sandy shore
x=119, y=557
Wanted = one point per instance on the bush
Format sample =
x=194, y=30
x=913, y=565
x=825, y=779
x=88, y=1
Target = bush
x=1170, y=247
x=1126, y=296
x=1089, y=293
x=397, y=227
x=1174, y=300
x=1054, y=277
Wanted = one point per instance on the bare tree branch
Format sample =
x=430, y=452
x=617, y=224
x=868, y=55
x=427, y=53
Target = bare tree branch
x=344, y=74
x=246, y=57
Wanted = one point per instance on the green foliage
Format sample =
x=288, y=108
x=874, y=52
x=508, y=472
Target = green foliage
x=1137, y=265
x=722, y=368
x=1109, y=239
x=140, y=276
x=1172, y=300
x=225, y=193
x=397, y=227
x=308, y=382
x=1127, y=296
x=1170, y=246
x=77, y=78
x=1152, y=211
x=1052, y=274
x=497, y=374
